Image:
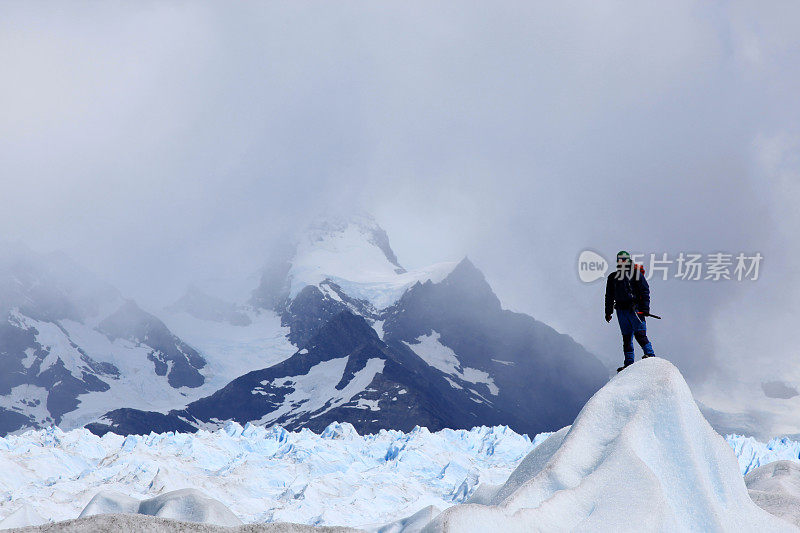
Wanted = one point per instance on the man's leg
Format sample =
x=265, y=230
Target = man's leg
x=641, y=338
x=627, y=348
x=624, y=317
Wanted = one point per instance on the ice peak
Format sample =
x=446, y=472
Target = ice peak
x=642, y=427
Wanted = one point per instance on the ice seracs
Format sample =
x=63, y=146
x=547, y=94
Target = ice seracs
x=753, y=453
x=334, y=477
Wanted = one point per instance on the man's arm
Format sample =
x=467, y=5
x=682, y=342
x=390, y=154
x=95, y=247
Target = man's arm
x=644, y=294
x=609, y=297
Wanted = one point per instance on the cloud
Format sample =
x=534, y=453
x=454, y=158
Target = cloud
x=158, y=143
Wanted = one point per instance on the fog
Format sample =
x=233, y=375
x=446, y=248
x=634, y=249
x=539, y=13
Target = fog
x=161, y=142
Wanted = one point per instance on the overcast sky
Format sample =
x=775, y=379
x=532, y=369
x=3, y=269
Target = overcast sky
x=157, y=142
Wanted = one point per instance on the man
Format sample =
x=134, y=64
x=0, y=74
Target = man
x=627, y=291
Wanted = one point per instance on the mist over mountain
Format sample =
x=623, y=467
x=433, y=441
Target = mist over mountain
x=337, y=331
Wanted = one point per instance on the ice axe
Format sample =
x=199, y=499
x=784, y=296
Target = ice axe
x=652, y=316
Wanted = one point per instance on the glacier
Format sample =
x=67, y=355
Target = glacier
x=262, y=474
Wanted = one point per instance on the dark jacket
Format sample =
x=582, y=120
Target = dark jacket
x=627, y=290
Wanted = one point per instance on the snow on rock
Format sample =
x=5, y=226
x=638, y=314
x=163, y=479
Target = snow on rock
x=315, y=392
x=233, y=350
x=354, y=253
x=55, y=343
x=640, y=456
x=187, y=505
x=30, y=400
x=775, y=487
x=136, y=386
x=440, y=357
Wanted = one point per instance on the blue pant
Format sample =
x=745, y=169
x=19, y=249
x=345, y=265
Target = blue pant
x=632, y=325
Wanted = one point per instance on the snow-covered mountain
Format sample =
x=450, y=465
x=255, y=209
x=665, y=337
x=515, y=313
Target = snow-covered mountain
x=375, y=345
x=351, y=253
x=332, y=329
x=71, y=346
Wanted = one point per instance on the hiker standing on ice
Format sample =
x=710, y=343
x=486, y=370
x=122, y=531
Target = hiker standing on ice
x=627, y=291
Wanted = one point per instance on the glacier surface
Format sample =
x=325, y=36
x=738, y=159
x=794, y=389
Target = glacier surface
x=261, y=474
x=383, y=481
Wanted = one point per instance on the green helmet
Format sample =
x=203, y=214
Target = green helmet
x=623, y=254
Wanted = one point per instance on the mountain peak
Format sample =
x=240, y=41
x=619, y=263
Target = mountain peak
x=469, y=280
x=467, y=267
x=351, y=251
x=325, y=230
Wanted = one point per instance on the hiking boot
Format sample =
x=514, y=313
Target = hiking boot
x=645, y=356
x=623, y=367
